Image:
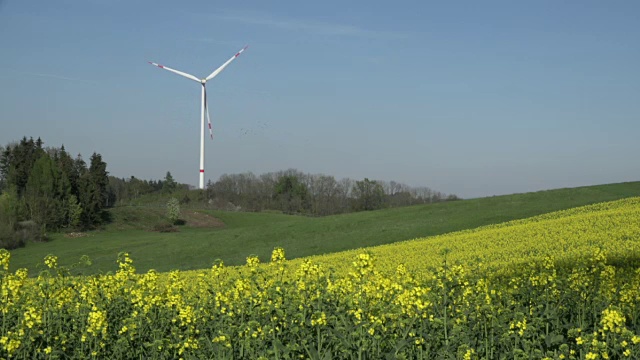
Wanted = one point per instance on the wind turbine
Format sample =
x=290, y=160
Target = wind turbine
x=204, y=107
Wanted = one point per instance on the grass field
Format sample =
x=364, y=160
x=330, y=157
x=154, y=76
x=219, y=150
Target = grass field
x=244, y=234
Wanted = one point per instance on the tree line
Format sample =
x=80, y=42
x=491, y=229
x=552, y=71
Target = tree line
x=45, y=189
x=295, y=192
x=122, y=191
x=290, y=191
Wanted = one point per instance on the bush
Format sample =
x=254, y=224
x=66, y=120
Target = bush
x=164, y=227
x=173, y=210
x=185, y=199
x=30, y=231
x=9, y=239
x=13, y=237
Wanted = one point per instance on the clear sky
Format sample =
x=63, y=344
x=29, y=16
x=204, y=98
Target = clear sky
x=475, y=98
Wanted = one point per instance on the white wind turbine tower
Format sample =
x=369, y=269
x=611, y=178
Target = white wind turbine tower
x=204, y=107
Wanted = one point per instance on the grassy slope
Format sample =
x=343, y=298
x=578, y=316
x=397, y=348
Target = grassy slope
x=259, y=233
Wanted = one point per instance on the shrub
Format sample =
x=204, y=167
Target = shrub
x=173, y=210
x=164, y=227
x=30, y=231
x=9, y=239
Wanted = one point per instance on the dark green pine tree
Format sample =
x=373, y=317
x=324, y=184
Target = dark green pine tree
x=169, y=185
x=67, y=167
x=16, y=162
x=93, y=191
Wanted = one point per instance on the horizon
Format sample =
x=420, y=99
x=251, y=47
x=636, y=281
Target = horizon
x=192, y=187
x=469, y=99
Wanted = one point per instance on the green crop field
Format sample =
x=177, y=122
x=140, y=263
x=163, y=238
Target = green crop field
x=244, y=234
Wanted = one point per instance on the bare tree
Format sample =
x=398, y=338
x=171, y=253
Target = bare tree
x=293, y=191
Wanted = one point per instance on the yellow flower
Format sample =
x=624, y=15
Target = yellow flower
x=253, y=261
x=32, y=317
x=468, y=355
x=51, y=261
x=612, y=320
x=277, y=256
x=318, y=319
x=5, y=255
x=97, y=322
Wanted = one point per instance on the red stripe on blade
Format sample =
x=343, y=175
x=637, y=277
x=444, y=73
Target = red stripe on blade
x=201, y=170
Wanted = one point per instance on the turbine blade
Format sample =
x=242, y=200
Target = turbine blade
x=218, y=70
x=206, y=107
x=188, y=76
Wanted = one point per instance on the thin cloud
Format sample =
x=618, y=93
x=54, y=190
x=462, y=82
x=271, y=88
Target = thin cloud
x=309, y=26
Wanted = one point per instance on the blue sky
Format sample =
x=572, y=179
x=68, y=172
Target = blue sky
x=472, y=98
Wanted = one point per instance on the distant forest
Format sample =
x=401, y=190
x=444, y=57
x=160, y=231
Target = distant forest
x=294, y=192
x=46, y=189
x=290, y=191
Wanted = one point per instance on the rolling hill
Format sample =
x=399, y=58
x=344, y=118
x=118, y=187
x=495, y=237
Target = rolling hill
x=244, y=234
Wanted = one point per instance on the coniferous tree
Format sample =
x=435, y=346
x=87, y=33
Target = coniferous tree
x=49, y=187
x=73, y=212
x=17, y=161
x=93, y=191
x=67, y=167
x=79, y=168
x=169, y=185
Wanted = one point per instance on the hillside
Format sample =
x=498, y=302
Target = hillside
x=572, y=235
x=258, y=233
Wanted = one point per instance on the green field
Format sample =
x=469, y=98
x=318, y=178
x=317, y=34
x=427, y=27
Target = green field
x=244, y=234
